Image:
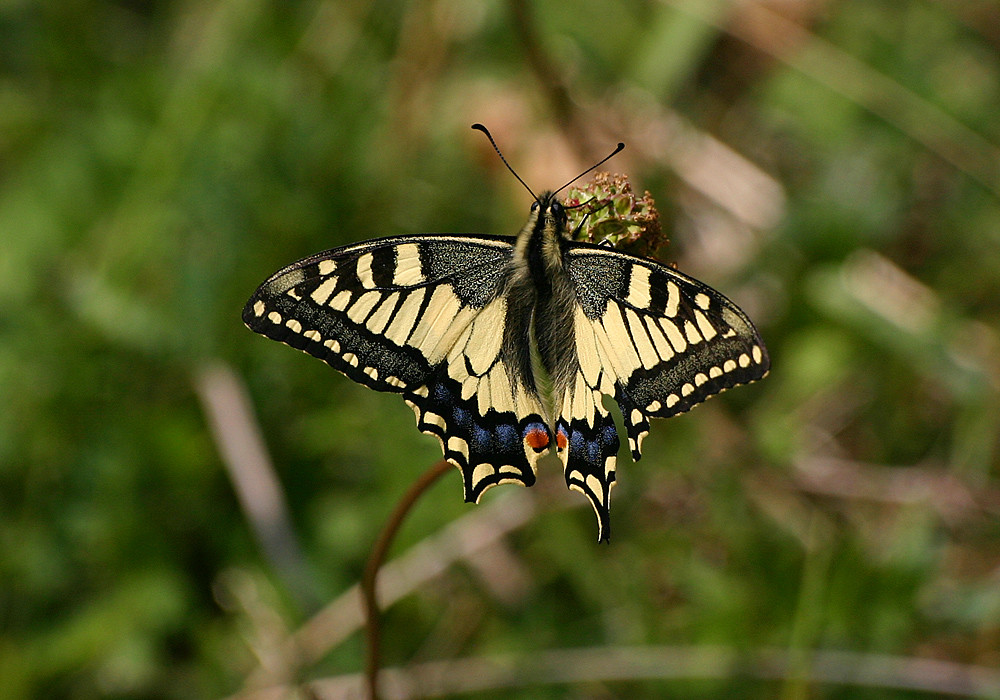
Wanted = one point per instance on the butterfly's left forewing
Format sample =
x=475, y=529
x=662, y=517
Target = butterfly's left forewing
x=656, y=340
x=423, y=316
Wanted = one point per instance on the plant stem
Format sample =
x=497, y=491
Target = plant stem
x=375, y=561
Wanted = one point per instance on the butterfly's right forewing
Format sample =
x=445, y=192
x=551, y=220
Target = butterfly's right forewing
x=659, y=341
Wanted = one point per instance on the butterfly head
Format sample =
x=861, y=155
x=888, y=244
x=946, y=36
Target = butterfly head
x=548, y=212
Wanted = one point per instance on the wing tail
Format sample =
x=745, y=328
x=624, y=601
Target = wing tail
x=587, y=443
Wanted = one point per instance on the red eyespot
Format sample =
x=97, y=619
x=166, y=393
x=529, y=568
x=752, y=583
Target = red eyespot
x=561, y=441
x=537, y=439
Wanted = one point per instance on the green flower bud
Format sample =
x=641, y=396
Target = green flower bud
x=606, y=209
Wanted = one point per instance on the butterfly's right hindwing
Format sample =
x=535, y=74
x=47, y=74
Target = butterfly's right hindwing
x=423, y=316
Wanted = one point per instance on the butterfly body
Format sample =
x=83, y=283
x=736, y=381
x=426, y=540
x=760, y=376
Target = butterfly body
x=464, y=325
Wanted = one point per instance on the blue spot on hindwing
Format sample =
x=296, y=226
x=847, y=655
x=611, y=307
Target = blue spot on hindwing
x=482, y=439
x=507, y=436
x=463, y=418
x=609, y=434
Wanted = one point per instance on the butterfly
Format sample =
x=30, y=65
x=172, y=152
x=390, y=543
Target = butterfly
x=469, y=328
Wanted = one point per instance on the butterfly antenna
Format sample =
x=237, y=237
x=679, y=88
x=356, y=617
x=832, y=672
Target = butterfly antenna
x=618, y=149
x=480, y=127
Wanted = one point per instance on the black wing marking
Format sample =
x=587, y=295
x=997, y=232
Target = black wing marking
x=656, y=340
x=422, y=316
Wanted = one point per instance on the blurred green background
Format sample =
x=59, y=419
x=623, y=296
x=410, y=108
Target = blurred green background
x=182, y=503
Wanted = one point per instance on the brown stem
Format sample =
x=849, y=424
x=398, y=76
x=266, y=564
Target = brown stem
x=375, y=560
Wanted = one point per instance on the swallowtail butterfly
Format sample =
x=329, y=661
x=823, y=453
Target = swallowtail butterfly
x=463, y=326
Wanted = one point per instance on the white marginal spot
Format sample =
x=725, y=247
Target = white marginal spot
x=434, y=419
x=482, y=471
x=313, y=335
x=457, y=444
x=728, y=365
x=258, y=308
x=702, y=300
x=275, y=318
x=326, y=267
x=322, y=293
x=654, y=407
x=636, y=444
x=636, y=416
x=715, y=372
x=687, y=389
x=365, y=275
x=672, y=400
x=744, y=360
x=416, y=409
x=700, y=378
x=408, y=271
x=351, y=359
x=757, y=354
x=422, y=391
x=673, y=298
x=371, y=372
x=638, y=287
x=294, y=325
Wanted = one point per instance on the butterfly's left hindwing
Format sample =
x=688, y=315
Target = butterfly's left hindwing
x=423, y=316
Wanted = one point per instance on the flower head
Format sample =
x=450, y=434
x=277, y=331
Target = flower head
x=606, y=209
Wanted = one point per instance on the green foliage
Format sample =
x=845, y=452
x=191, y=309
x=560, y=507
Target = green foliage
x=836, y=176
